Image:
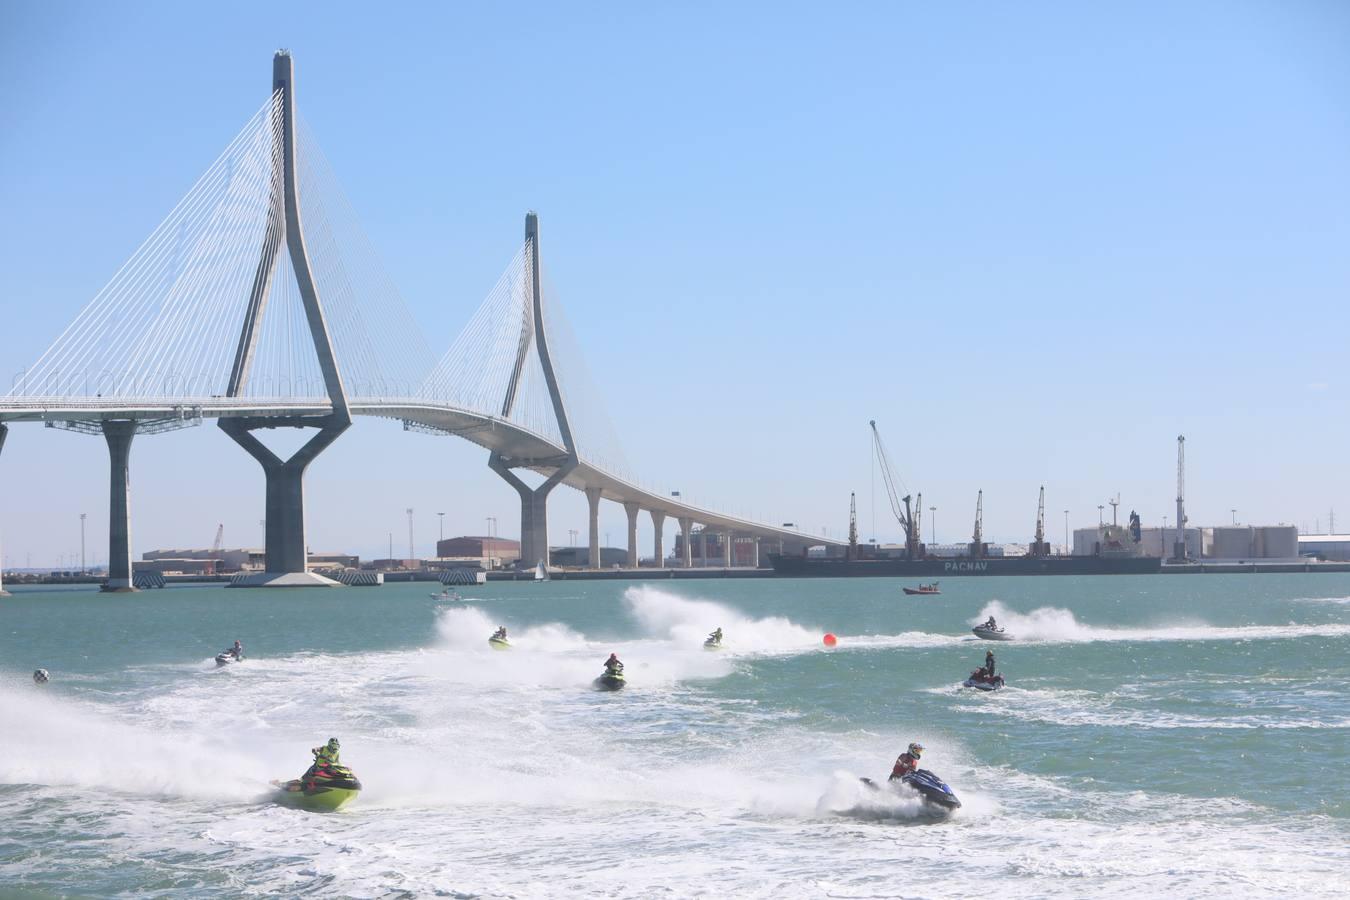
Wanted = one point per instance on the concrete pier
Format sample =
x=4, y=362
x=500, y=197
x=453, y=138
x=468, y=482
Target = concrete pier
x=119, y=435
x=593, y=500
x=658, y=520
x=687, y=542
x=632, y=509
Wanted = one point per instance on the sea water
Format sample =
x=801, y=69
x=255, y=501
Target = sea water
x=1179, y=735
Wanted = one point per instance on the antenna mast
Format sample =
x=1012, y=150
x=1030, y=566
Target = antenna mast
x=1179, y=548
x=852, y=525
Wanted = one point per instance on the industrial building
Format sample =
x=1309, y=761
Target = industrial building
x=1224, y=542
x=1331, y=547
x=580, y=557
x=485, y=551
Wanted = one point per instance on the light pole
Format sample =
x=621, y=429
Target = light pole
x=411, y=554
x=932, y=524
x=1164, y=537
x=1100, y=507
x=83, y=569
x=440, y=535
x=1066, y=532
x=1234, y=512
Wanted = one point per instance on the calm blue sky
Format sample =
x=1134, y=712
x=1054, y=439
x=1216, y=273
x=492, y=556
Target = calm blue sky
x=1035, y=241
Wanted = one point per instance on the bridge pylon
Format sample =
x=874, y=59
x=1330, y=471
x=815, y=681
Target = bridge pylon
x=534, y=501
x=286, y=555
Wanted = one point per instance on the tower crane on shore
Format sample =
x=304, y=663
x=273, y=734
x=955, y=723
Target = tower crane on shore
x=908, y=524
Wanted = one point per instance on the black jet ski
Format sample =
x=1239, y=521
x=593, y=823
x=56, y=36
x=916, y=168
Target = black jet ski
x=610, y=681
x=931, y=789
x=982, y=682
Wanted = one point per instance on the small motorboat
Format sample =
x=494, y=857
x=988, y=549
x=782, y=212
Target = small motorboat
x=984, y=632
x=324, y=788
x=923, y=589
x=610, y=681
x=982, y=682
x=446, y=595
x=931, y=789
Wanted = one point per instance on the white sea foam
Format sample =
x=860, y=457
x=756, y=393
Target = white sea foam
x=1055, y=625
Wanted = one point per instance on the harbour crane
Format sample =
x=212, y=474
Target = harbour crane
x=900, y=506
x=1040, y=547
x=220, y=540
x=977, y=546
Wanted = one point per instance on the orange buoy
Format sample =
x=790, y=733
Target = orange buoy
x=830, y=639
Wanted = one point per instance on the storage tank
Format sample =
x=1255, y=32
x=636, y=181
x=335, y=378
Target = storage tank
x=1233, y=542
x=1277, y=541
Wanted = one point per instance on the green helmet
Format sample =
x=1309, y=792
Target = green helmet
x=333, y=744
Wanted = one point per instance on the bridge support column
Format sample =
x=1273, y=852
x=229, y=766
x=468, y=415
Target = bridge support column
x=754, y=553
x=119, y=435
x=593, y=498
x=533, y=510
x=658, y=520
x=687, y=542
x=4, y=432
x=703, y=546
x=726, y=549
x=632, y=509
x=286, y=555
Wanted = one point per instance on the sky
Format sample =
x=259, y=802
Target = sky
x=1035, y=242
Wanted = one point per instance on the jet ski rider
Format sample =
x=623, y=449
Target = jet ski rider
x=613, y=666
x=501, y=632
x=989, y=663
x=991, y=624
x=716, y=636
x=237, y=651
x=907, y=761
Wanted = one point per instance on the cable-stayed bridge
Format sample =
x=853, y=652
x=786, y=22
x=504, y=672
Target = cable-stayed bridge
x=258, y=302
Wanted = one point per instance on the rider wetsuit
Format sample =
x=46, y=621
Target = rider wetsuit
x=989, y=662
x=906, y=764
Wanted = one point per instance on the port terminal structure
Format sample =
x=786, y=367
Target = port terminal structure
x=259, y=303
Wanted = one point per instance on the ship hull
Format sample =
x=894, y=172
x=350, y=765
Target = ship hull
x=799, y=566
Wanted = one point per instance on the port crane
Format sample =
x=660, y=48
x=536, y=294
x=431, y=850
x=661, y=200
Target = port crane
x=220, y=540
x=1179, y=548
x=1040, y=547
x=977, y=546
x=900, y=506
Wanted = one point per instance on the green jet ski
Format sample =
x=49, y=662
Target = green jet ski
x=499, y=642
x=612, y=680
x=324, y=788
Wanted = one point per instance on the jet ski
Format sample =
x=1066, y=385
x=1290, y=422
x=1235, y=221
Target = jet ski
x=712, y=644
x=931, y=789
x=324, y=788
x=499, y=643
x=982, y=682
x=225, y=657
x=446, y=595
x=991, y=634
x=610, y=681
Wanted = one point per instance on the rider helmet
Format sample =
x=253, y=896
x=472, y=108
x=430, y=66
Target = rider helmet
x=915, y=749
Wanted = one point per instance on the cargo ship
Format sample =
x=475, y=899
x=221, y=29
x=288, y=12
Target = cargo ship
x=1117, y=553
x=947, y=567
